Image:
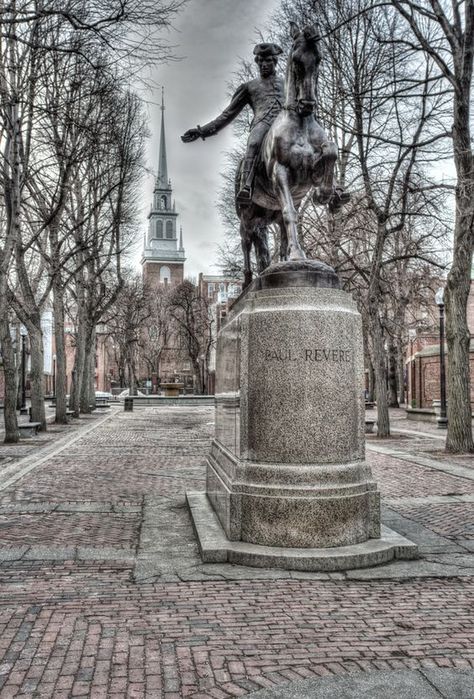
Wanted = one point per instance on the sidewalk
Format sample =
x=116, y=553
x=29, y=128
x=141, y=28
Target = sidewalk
x=103, y=594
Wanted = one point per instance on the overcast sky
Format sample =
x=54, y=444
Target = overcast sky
x=211, y=36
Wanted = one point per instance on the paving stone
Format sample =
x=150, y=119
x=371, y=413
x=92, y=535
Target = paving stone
x=44, y=553
x=13, y=553
x=391, y=685
x=452, y=683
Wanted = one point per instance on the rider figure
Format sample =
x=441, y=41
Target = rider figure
x=265, y=95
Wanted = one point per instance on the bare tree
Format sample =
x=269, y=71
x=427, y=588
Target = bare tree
x=126, y=322
x=191, y=314
x=157, y=333
x=17, y=93
x=102, y=208
x=445, y=33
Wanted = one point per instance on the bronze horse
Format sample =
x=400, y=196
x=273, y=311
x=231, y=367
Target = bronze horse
x=296, y=155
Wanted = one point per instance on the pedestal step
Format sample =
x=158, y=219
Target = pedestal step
x=215, y=547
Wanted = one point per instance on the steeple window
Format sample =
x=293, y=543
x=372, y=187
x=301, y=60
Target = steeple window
x=165, y=275
x=163, y=202
x=159, y=229
x=169, y=229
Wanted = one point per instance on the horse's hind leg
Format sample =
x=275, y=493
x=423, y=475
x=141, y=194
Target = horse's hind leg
x=289, y=213
x=262, y=252
x=246, y=240
x=283, y=238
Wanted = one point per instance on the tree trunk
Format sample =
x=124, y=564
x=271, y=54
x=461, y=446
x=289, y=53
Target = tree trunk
x=92, y=367
x=392, y=376
x=78, y=371
x=86, y=372
x=401, y=373
x=18, y=358
x=131, y=376
x=380, y=372
x=11, y=382
x=60, y=376
x=459, y=437
x=197, y=378
x=38, y=412
x=371, y=387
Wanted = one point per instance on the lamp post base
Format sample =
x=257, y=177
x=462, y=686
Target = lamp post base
x=442, y=423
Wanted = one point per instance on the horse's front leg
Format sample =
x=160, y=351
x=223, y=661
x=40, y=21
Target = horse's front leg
x=326, y=183
x=289, y=213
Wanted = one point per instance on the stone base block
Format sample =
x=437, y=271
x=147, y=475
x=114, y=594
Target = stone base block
x=294, y=505
x=215, y=547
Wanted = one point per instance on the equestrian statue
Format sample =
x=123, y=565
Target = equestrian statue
x=288, y=152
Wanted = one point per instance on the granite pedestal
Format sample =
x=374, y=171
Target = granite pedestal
x=286, y=469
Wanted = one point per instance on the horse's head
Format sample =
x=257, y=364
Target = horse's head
x=303, y=62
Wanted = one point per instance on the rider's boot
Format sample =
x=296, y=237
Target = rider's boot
x=244, y=196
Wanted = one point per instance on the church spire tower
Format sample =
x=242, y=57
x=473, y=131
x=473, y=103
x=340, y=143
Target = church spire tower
x=163, y=261
x=162, y=179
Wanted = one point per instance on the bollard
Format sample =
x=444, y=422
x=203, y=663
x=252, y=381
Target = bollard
x=128, y=405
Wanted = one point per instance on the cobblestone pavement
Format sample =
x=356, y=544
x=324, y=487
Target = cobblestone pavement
x=103, y=594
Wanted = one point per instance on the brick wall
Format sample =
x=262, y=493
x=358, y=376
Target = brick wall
x=430, y=390
x=151, y=273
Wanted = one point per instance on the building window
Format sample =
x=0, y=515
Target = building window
x=159, y=229
x=210, y=289
x=164, y=202
x=165, y=275
x=169, y=229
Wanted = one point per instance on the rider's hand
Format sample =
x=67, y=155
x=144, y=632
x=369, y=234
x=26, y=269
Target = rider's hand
x=191, y=135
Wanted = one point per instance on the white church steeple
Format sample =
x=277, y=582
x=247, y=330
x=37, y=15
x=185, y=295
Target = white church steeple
x=161, y=242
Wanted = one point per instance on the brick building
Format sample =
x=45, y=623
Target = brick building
x=220, y=292
x=423, y=364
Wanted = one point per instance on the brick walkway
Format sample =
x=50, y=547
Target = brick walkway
x=103, y=593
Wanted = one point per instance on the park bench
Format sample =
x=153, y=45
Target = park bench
x=369, y=405
x=369, y=426
x=29, y=429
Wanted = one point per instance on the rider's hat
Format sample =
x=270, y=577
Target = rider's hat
x=267, y=51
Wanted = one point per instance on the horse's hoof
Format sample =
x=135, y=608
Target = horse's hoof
x=296, y=254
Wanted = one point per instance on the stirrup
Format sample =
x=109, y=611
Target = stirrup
x=245, y=195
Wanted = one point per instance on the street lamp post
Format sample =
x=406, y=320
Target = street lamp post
x=23, y=408
x=54, y=376
x=411, y=379
x=442, y=419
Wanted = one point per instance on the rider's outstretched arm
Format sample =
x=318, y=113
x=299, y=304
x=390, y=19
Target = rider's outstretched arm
x=240, y=99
